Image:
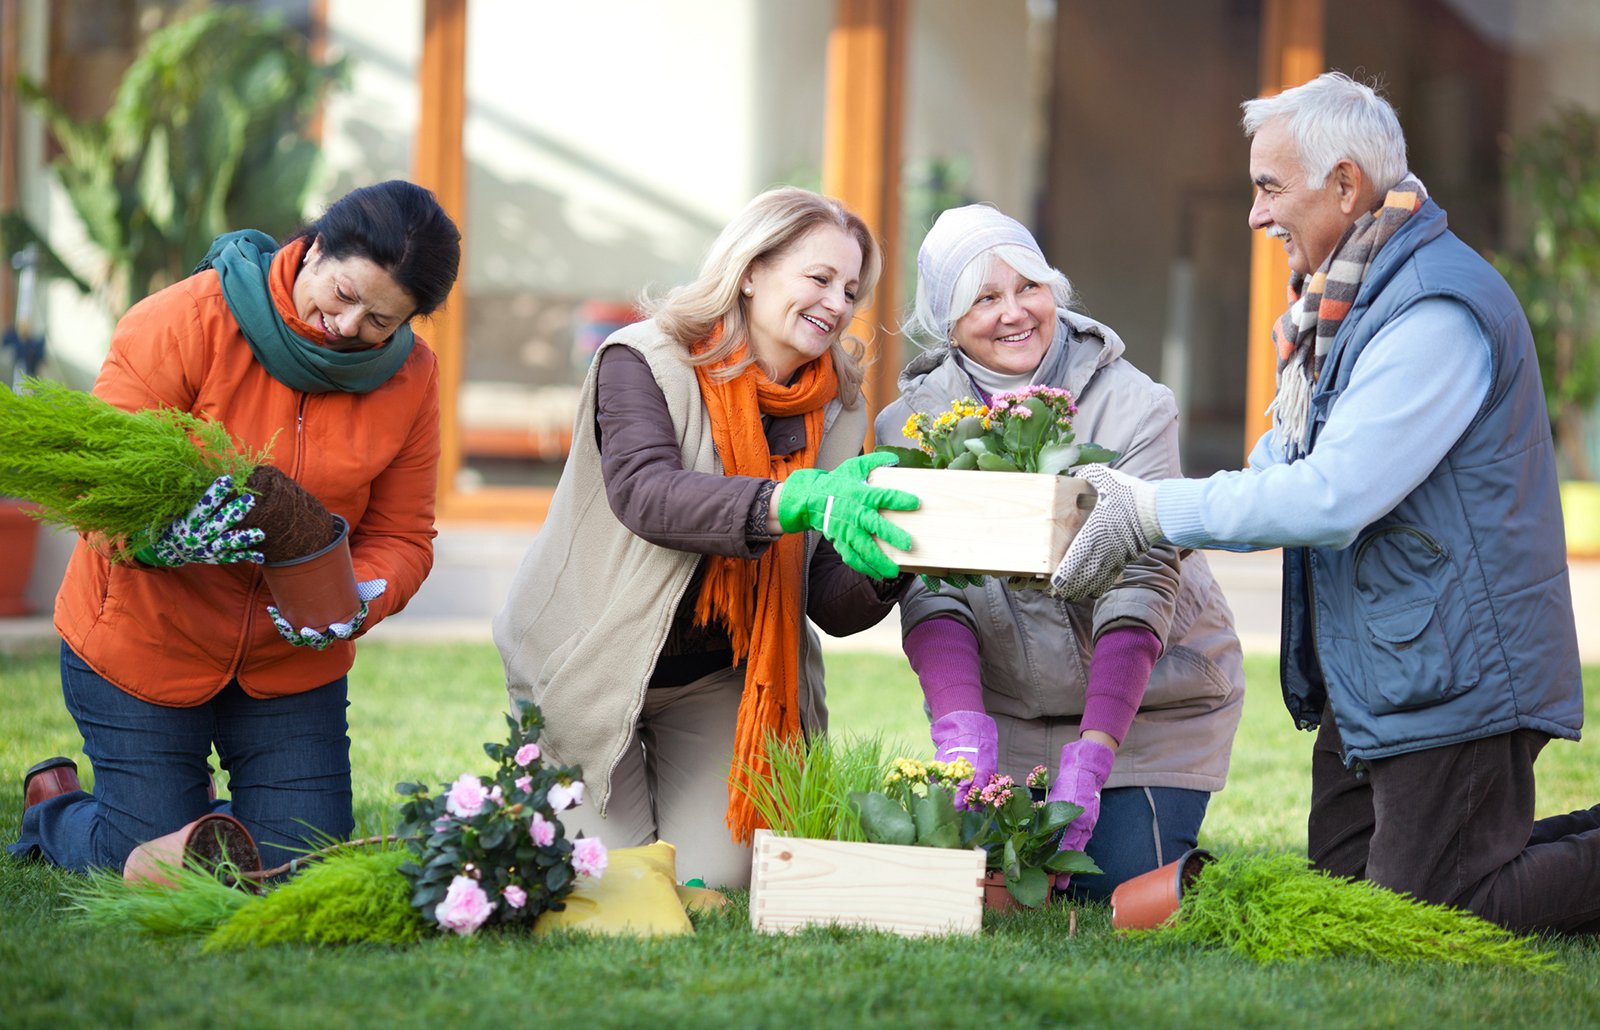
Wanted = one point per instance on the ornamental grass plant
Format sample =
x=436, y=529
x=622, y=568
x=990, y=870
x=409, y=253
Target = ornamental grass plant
x=99, y=470
x=806, y=792
x=1275, y=908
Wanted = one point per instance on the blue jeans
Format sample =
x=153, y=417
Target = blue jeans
x=1140, y=829
x=287, y=758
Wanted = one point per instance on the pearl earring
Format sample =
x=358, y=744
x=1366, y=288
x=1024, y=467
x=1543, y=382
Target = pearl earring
x=749, y=291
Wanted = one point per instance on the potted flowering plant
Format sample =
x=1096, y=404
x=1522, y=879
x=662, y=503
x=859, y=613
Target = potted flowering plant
x=916, y=805
x=491, y=849
x=1014, y=510
x=1021, y=838
x=1026, y=430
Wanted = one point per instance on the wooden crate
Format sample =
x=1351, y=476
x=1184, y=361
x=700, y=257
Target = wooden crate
x=796, y=882
x=998, y=523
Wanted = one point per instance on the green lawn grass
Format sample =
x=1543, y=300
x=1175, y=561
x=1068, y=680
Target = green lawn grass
x=422, y=712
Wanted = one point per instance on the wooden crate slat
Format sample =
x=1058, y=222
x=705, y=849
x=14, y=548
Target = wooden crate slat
x=997, y=523
x=911, y=891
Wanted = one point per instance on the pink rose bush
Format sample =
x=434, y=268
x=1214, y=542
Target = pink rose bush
x=465, y=907
x=491, y=849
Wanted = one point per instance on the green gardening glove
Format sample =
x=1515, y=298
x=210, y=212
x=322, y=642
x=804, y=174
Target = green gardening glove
x=844, y=509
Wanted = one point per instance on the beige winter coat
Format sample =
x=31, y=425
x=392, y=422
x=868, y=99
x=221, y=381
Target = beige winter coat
x=591, y=604
x=1034, y=660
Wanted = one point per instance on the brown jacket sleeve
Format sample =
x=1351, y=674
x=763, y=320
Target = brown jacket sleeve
x=647, y=486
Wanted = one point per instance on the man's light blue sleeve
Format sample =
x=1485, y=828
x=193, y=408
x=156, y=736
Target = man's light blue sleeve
x=1415, y=389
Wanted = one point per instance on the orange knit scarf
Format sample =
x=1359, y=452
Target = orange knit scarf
x=760, y=602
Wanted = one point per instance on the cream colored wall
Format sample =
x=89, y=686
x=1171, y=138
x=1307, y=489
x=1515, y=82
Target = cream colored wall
x=607, y=141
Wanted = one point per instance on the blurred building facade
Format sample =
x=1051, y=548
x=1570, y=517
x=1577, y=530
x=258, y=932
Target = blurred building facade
x=591, y=151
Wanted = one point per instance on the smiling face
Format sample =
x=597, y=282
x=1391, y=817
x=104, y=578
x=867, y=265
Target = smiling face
x=800, y=301
x=1308, y=221
x=351, y=300
x=1011, y=323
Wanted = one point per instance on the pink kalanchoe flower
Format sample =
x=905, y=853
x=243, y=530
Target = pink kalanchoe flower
x=515, y=896
x=563, y=796
x=525, y=783
x=526, y=753
x=542, y=830
x=465, y=906
x=589, y=857
x=466, y=798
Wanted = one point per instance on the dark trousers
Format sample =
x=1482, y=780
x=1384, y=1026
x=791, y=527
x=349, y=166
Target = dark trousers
x=1454, y=825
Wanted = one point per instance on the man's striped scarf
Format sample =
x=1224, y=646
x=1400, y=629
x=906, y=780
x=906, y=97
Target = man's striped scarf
x=1316, y=310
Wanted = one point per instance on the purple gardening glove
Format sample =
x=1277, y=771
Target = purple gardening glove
x=969, y=735
x=1085, y=764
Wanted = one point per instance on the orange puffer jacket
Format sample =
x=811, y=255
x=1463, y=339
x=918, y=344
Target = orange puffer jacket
x=178, y=636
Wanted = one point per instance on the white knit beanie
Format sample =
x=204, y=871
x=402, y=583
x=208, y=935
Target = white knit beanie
x=960, y=236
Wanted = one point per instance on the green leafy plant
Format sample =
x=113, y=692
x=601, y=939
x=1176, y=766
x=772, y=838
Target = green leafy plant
x=1021, y=837
x=915, y=804
x=1275, y=908
x=491, y=849
x=207, y=132
x=355, y=895
x=1027, y=430
x=100, y=470
x=1554, y=178
x=806, y=790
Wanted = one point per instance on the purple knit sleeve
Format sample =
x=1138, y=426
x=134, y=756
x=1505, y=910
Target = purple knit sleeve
x=1119, y=671
x=944, y=654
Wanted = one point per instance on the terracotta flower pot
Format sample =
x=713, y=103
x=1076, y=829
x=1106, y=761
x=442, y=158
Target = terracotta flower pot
x=19, y=537
x=997, y=899
x=211, y=839
x=318, y=589
x=1150, y=899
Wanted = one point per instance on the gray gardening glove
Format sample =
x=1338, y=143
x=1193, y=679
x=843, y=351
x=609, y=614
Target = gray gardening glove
x=321, y=640
x=1121, y=527
x=206, y=535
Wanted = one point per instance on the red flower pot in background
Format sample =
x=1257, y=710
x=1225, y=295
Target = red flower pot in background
x=19, y=539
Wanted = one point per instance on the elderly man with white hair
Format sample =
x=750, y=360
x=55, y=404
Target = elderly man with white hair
x=1410, y=478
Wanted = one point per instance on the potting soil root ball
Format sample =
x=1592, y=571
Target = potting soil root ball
x=296, y=523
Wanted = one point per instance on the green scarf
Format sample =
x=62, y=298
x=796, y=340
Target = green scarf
x=243, y=261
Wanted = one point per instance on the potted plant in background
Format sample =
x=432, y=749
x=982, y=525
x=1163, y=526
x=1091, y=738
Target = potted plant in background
x=1554, y=179
x=207, y=133
x=1013, y=510
x=23, y=344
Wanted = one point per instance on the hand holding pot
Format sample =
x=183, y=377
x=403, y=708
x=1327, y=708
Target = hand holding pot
x=321, y=640
x=206, y=534
x=970, y=735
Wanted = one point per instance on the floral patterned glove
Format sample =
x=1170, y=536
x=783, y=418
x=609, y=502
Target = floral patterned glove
x=206, y=535
x=321, y=640
x=970, y=735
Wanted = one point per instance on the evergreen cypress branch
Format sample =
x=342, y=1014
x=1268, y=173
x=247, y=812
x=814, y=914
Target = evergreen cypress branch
x=97, y=469
x=1274, y=908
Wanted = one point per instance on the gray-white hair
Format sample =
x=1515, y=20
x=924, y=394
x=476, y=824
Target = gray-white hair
x=926, y=328
x=1333, y=118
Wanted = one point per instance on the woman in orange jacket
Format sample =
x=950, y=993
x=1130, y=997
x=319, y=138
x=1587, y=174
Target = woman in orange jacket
x=305, y=349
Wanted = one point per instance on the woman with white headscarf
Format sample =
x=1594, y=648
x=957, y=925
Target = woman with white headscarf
x=1132, y=699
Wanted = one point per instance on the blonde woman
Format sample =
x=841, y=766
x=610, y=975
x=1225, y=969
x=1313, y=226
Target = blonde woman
x=715, y=496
